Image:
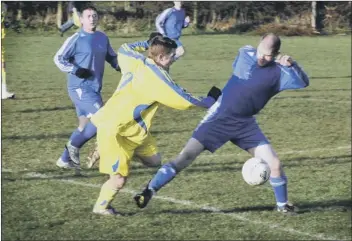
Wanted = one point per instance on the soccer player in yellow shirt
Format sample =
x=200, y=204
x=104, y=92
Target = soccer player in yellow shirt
x=74, y=20
x=123, y=123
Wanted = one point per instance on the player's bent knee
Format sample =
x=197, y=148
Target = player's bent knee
x=155, y=162
x=275, y=167
x=117, y=181
x=152, y=161
x=82, y=122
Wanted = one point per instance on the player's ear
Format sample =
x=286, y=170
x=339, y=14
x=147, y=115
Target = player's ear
x=159, y=57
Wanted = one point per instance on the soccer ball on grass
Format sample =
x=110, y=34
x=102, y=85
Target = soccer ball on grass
x=255, y=171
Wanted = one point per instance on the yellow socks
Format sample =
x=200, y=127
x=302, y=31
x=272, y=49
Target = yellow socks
x=106, y=195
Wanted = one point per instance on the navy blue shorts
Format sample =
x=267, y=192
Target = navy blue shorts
x=86, y=102
x=214, y=131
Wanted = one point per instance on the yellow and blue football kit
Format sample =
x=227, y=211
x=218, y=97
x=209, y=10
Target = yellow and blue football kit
x=123, y=123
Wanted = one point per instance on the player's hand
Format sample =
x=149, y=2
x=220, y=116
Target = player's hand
x=284, y=60
x=214, y=92
x=83, y=73
x=187, y=19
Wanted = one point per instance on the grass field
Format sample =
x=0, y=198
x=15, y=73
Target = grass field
x=310, y=129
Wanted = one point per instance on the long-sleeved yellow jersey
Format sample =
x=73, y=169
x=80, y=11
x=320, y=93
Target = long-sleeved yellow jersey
x=143, y=87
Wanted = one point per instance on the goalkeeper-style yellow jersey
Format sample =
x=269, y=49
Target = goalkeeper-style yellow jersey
x=144, y=86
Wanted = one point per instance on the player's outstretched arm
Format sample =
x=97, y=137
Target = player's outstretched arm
x=167, y=92
x=292, y=75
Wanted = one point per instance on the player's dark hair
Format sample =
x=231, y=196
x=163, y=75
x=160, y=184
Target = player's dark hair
x=88, y=7
x=163, y=41
x=161, y=45
x=153, y=35
x=276, y=42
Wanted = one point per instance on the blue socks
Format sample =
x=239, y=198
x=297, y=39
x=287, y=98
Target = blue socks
x=88, y=133
x=168, y=171
x=164, y=175
x=79, y=138
x=279, y=185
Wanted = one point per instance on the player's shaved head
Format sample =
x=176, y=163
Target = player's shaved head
x=268, y=49
x=271, y=42
x=178, y=3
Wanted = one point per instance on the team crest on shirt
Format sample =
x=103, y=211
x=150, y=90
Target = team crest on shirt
x=97, y=105
x=79, y=93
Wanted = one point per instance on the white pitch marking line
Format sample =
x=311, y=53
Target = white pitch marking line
x=204, y=207
x=186, y=203
x=242, y=153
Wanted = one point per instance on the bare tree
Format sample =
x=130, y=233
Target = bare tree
x=59, y=14
x=314, y=16
x=195, y=13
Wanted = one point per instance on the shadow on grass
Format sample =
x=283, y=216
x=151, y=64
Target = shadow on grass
x=37, y=137
x=328, y=90
x=67, y=135
x=46, y=109
x=140, y=170
x=304, y=207
x=331, y=77
x=237, y=166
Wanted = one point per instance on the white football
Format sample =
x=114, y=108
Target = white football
x=255, y=171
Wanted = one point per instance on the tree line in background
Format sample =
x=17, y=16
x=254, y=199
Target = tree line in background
x=286, y=18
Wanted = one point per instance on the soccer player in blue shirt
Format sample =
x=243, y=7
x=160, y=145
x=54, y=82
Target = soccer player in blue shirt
x=170, y=24
x=83, y=57
x=258, y=74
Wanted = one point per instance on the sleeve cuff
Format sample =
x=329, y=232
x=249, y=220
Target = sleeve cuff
x=74, y=70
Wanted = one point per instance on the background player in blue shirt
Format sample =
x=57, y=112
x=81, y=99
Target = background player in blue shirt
x=83, y=57
x=256, y=78
x=170, y=24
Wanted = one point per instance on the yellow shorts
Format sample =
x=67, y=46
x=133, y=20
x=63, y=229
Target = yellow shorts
x=116, y=152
